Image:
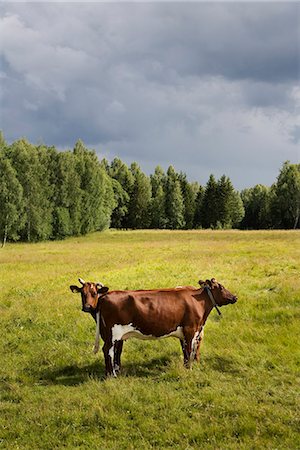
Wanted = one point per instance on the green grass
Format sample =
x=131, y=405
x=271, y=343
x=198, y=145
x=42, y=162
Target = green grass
x=244, y=394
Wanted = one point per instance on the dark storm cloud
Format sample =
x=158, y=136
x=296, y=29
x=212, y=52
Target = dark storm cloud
x=208, y=87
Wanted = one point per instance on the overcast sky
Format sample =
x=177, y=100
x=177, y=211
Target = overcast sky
x=206, y=87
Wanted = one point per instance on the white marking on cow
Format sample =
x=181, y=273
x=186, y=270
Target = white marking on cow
x=124, y=332
x=195, y=342
x=97, y=337
x=111, y=354
x=202, y=333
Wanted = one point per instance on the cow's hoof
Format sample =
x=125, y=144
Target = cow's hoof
x=117, y=369
x=111, y=375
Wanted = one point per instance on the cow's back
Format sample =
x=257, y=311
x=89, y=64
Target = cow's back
x=153, y=312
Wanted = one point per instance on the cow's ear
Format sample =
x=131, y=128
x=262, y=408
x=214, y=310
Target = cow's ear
x=208, y=282
x=75, y=289
x=214, y=282
x=103, y=290
x=202, y=283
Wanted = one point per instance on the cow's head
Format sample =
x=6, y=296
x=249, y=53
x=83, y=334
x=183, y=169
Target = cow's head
x=220, y=294
x=90, y=293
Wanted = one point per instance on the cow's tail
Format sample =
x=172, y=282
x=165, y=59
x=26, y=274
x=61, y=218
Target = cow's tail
x=97, y=336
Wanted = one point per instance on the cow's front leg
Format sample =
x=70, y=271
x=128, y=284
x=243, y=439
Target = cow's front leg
x=197, y=355
x=117, y=356
x=97, y=336
x=192, y=341
x=108, y=351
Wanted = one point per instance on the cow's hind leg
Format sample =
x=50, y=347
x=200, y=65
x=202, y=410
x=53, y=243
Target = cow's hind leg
x=184, y=351
x=117, y=355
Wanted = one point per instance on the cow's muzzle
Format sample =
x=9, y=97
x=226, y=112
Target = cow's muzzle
x=234, y=299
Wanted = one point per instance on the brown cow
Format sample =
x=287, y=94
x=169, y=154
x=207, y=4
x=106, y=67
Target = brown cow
x=151, y=314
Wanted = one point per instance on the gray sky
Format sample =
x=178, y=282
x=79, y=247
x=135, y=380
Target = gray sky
x=207, y=87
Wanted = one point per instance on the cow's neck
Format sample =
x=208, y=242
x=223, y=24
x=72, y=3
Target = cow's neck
x=212, y=299
x=94, y=315
x=207, y=309
x=209, y=305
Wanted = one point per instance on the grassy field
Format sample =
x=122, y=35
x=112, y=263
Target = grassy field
x=244, y=394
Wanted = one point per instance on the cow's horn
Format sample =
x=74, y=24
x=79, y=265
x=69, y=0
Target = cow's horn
x=99, y=284
x=81, y=281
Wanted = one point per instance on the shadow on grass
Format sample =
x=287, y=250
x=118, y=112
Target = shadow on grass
x=222, y=364
x=73, y=375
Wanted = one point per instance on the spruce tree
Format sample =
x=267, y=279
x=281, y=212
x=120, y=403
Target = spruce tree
x=158, y=209
x=174, y=201
x=209, y=211
x=198, y=208
x=140, y=198
x=157, y=179
x=189, y=200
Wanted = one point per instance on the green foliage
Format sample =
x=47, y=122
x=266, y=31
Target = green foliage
x=47, y=194
x=97, y=191
x=209, y=210
x=120, y=172
x=174, y=201
x=67, y=196
x=158, y=209
x=243, y=394
x=189, y=201
x=236, y=208
x=158, y=179
x=2, y=141
x=11, y=202
x=286, y=197
x=158, y=201
x=122, y=200
x=34, y=176
x=198, y=207
x=275, y=207
x=256, y=202
x=140, y=199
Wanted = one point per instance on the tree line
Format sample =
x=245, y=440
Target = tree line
x=51, y=194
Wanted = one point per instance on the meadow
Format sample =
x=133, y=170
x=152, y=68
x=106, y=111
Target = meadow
x=244, y=394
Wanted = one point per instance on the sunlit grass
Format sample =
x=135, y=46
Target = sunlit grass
x=244, y=393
